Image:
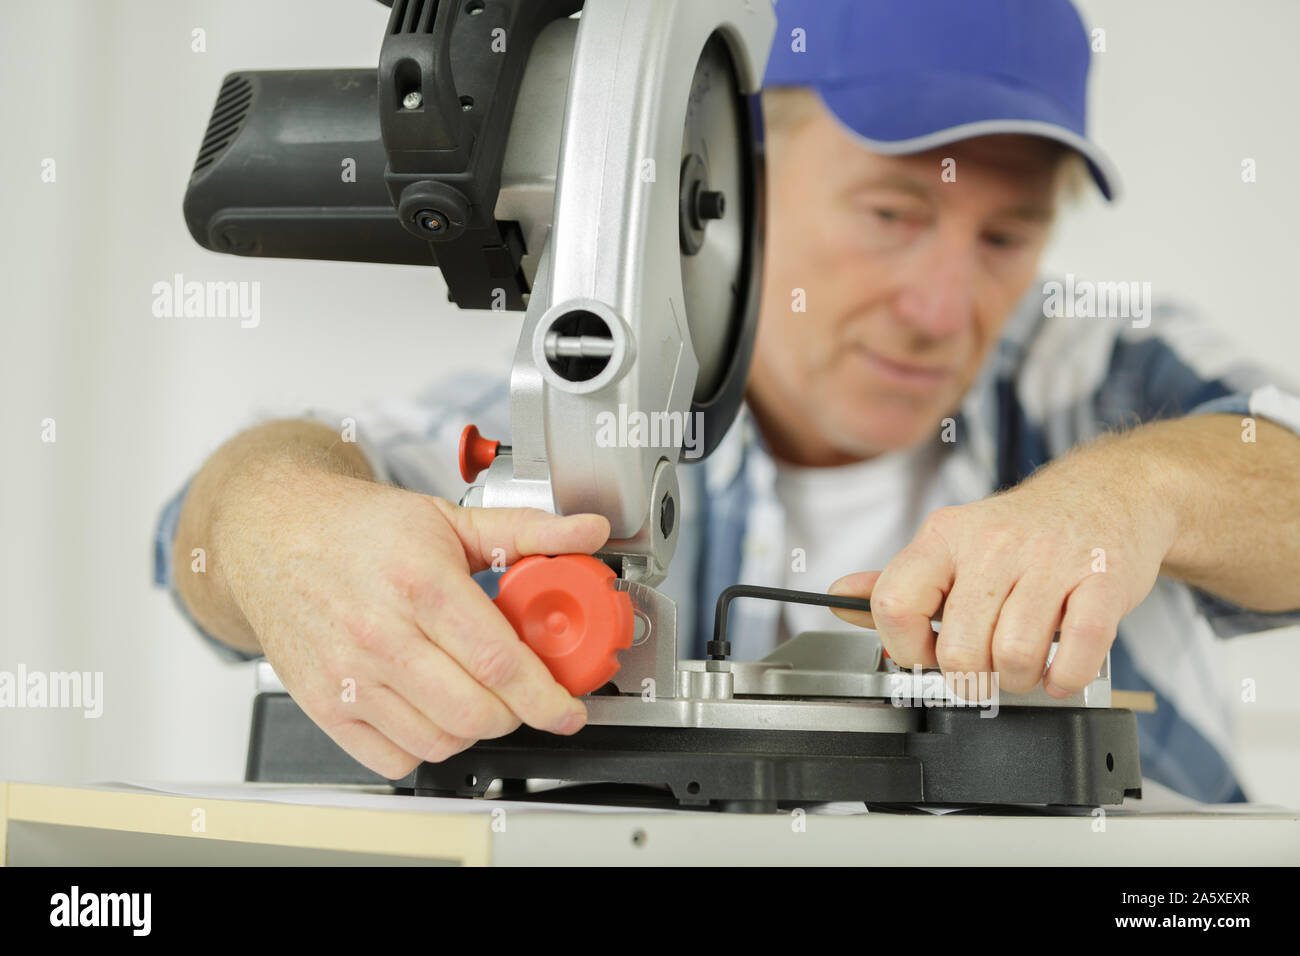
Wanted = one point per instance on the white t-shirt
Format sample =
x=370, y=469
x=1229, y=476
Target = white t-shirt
x=851, y=518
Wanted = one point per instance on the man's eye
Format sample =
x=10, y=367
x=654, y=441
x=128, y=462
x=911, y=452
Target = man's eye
x=888, y=215
x=1003, y=240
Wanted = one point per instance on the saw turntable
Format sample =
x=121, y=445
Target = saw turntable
x=599, y=166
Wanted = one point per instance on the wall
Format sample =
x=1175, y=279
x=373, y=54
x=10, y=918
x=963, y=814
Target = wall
x=111, y=90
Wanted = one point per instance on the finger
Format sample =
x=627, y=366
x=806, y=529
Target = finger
x=368, y=747
x=970, y=614
x=1023, y=636
x=390, y=714
x=475, y=634
x=514, y=533
x=908, y=593
x=438, y=687
x=1092, y=615
x=857, y=585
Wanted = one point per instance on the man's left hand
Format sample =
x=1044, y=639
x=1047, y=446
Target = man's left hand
x=1074, y=549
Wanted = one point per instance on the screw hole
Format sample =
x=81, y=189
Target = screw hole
x=471, y=781
x=692, y=787
x=667, y=513
x=1110, y=763
x=466, y=103
x=474, y=7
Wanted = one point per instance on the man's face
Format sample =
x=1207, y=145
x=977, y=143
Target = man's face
x=907, y=280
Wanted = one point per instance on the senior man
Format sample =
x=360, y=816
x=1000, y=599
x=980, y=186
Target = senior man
x=923, y=427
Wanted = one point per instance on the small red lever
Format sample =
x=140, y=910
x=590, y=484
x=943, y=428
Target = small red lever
x=476, y=453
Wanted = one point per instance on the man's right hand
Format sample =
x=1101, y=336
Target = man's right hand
x=360, y=596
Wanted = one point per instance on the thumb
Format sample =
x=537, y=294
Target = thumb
x=857, y=585
x=508, y=534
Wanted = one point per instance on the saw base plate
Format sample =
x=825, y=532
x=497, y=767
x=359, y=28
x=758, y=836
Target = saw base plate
x=1080, y=757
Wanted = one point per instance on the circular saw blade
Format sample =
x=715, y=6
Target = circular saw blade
x=721, y=248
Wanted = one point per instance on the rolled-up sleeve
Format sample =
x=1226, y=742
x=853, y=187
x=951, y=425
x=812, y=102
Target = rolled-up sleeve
x=1181, y=366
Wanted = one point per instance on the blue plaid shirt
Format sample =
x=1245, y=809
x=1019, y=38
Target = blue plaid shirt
x=1050, y=384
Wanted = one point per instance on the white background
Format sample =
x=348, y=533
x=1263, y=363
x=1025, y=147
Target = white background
x=111, y=90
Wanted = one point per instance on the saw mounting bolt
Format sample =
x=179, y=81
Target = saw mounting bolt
x=709, y=204
x=431, y=220
x=413, y=100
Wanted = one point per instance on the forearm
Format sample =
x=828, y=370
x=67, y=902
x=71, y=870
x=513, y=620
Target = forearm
x=230, y=476
x=1234, y=505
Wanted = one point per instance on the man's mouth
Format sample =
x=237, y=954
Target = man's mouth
x=901, y=372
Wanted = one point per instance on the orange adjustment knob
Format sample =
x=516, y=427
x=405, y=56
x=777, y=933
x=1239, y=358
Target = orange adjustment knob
x=566, y=609
x=476, y=452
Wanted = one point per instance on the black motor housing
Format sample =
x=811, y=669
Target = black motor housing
x=292, y=166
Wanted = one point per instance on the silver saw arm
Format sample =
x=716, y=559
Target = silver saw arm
x=638, y=331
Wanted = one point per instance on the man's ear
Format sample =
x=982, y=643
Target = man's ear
x=1072, y=179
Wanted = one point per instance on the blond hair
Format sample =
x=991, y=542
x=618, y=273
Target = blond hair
x=787, y=108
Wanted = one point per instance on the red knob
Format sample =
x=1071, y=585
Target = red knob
x=566, y=609
x=476, y=453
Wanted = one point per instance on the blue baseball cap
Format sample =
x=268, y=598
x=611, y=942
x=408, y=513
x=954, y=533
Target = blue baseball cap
x=908, y=76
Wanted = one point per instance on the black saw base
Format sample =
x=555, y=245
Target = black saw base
x=1083, y=757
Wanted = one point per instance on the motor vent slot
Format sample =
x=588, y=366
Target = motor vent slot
x=228, y=117
x=413, y=16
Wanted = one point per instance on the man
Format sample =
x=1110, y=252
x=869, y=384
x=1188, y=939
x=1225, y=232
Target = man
x=908, y=365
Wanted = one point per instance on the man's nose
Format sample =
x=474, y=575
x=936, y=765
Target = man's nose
x=937, y=294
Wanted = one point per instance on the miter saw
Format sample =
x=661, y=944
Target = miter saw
x=599, y=166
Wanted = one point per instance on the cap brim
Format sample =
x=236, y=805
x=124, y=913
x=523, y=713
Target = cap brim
x=897, y=115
